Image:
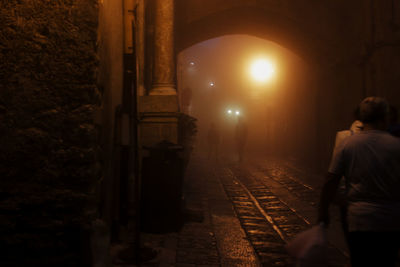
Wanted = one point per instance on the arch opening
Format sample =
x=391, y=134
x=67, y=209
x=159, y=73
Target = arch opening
x=215, y=86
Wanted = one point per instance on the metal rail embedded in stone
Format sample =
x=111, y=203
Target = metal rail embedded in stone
x=285, y=176
x=249, y=202
x=267, y=220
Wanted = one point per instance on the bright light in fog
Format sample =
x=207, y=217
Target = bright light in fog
x=212, y=84
x=233, y=112
x=262, y=70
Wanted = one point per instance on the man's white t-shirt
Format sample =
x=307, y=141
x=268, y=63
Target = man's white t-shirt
x=370, y=163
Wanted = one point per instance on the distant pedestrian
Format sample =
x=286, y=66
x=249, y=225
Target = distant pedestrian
x=186, y=100
x=240, y=137
x=213, y=140
x=355, y=127
x=370, y=163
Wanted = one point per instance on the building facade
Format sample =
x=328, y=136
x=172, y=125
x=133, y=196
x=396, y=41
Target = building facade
x=86, y=85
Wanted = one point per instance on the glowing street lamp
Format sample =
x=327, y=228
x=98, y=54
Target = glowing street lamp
x=262, y=70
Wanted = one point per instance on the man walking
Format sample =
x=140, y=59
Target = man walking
x=370, y=163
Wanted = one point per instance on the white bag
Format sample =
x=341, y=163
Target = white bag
x=310, y=247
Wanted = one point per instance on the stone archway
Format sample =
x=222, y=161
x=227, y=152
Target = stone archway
x=298, y=32
x=268, y=107
x=338, y=38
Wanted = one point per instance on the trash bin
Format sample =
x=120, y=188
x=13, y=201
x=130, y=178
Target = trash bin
x=161, y=194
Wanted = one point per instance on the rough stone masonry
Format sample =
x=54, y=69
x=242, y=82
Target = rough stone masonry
x=49, y=155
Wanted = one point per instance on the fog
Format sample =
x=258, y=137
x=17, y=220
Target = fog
x=214, y=77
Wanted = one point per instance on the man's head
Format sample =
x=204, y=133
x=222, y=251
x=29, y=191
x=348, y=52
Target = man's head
x=374, y=111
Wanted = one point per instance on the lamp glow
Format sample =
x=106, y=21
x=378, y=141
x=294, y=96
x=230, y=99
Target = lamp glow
x=262, y=70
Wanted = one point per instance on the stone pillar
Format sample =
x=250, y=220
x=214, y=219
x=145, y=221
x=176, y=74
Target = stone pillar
x=164, y=56
x=159, y=111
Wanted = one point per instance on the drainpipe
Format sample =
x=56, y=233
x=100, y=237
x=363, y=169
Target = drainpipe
x=140, y=29
x=130, y=127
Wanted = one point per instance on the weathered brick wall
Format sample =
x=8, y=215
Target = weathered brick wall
x=48, y=141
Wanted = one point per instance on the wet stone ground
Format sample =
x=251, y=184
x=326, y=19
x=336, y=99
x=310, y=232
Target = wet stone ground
x=244, y=216
x=268, y=221
x=266, y=241
x=197, y=246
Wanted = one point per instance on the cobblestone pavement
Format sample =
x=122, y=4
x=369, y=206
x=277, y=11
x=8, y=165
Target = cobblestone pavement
x=252, y=193
x=243, y=215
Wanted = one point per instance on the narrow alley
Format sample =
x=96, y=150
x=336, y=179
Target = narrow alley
x=198, y=132
x=243, y=215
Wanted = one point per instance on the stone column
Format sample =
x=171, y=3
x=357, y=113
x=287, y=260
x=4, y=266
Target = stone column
x=159, y=110
x=164, y=56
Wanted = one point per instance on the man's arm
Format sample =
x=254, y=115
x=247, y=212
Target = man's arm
x=328, y=193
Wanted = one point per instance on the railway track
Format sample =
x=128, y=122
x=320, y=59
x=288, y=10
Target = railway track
x=266, y=219
x=288, y=177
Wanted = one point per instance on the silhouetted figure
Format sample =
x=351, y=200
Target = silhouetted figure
x=186, y=100
x=355, y=127
x=340, y=199
x=370, y=163
x=240, y=137
x=213, y=141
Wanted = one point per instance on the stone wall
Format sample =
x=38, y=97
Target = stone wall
x=49, y=163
